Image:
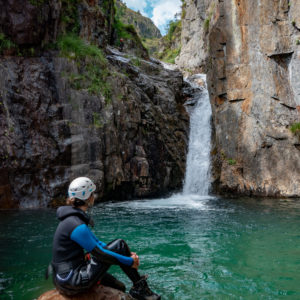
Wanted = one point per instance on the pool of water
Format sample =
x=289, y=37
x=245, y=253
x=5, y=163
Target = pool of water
x=192, y=247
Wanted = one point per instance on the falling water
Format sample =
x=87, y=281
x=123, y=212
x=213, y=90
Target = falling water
x=197, y=177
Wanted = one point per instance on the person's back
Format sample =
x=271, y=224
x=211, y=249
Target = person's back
x=65, y=249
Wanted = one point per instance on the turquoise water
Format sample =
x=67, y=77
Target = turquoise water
x=192, y=247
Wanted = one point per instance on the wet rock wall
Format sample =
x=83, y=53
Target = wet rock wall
x=131, y=140
x=252, y=58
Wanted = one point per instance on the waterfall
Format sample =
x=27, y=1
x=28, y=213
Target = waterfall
x=197, y=176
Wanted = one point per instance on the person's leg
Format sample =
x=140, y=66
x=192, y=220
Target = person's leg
x=111, y=281
x=121, y=247
x=140, y=289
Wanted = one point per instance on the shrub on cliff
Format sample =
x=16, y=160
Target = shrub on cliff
x=5, y=44
x=74, y=47
x=91, y=63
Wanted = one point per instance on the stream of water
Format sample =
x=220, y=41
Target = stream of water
x=192, y=245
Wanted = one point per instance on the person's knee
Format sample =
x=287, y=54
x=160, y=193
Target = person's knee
x=119, y=246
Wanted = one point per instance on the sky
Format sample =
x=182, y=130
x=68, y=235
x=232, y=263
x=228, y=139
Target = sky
x=160, y=11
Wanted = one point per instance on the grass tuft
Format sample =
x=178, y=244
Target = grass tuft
x=295, y=128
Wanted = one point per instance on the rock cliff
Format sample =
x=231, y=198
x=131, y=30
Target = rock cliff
x=250, y=51
x=69, y=108
x=144, y=26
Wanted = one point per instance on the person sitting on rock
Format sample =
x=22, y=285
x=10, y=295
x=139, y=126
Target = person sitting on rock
x=73, y=271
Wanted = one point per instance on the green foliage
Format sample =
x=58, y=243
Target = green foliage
x=295, y=128
x=169, y=55
x=171, y=27
x=76, y=81
x=5, y=43
x=298, y=42
x=73, y=47
x=92, y=65
x=136, y=61
x=231, y=161
x=97, y=120
x=208, y=19
x=123, y=31
x=294, y=23
x=206, y=24
x=183, y=9
x=96, y=76
x=69, y=16
x=37, y=2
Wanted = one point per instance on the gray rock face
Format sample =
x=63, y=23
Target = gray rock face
x=133, y=145
x=129, y=134
x=253, y=61
x=19, y=18
x=194, y=40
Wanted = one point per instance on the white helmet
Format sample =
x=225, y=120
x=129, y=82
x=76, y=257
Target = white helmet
x=81, y=188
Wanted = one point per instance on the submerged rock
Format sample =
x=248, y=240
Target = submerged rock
x=98, y=293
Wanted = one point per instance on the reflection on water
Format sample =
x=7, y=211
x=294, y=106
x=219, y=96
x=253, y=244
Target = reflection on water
x=192, y=247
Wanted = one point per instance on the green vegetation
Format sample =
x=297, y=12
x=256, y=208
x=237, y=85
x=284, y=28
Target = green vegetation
x=183, y=9
x=76, y=81
x=144, y=26
x=5, y=43
x=151, y=45
x=123, y=31
x=37, y=2
x=231, y=162
x=91, y=64
x=208, y=19
x=97, y=120
x=294, y=23
x=136, y=62
x=298, y=42
x=170, y=55
x=170, y=40
x=128, y=33
x=171, y=27
x=69, y=16
x=295, y=128
x=74, y=47
x=206, y=24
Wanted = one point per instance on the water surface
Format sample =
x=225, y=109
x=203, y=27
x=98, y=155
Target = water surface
x=192, y=247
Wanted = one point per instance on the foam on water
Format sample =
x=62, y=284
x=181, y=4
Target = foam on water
x=176, y=201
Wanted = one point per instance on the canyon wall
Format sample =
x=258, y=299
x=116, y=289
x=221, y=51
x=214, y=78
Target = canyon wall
x=118, y=119
x=251, y=53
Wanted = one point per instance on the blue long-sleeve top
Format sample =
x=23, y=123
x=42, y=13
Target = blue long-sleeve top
x=83, y=236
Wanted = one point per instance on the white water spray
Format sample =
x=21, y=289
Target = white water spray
x=197, y=176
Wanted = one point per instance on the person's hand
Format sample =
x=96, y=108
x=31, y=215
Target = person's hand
x=136, y=260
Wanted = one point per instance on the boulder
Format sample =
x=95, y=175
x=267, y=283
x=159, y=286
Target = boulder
x=98, y=293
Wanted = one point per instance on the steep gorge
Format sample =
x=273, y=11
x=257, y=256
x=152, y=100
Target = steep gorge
x=250, y=52
x=73, y=106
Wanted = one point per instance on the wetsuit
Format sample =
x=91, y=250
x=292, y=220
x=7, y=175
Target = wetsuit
x=72, y=272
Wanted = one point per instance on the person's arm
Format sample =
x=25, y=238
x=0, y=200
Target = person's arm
x=102, y=244
x=84, y=237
